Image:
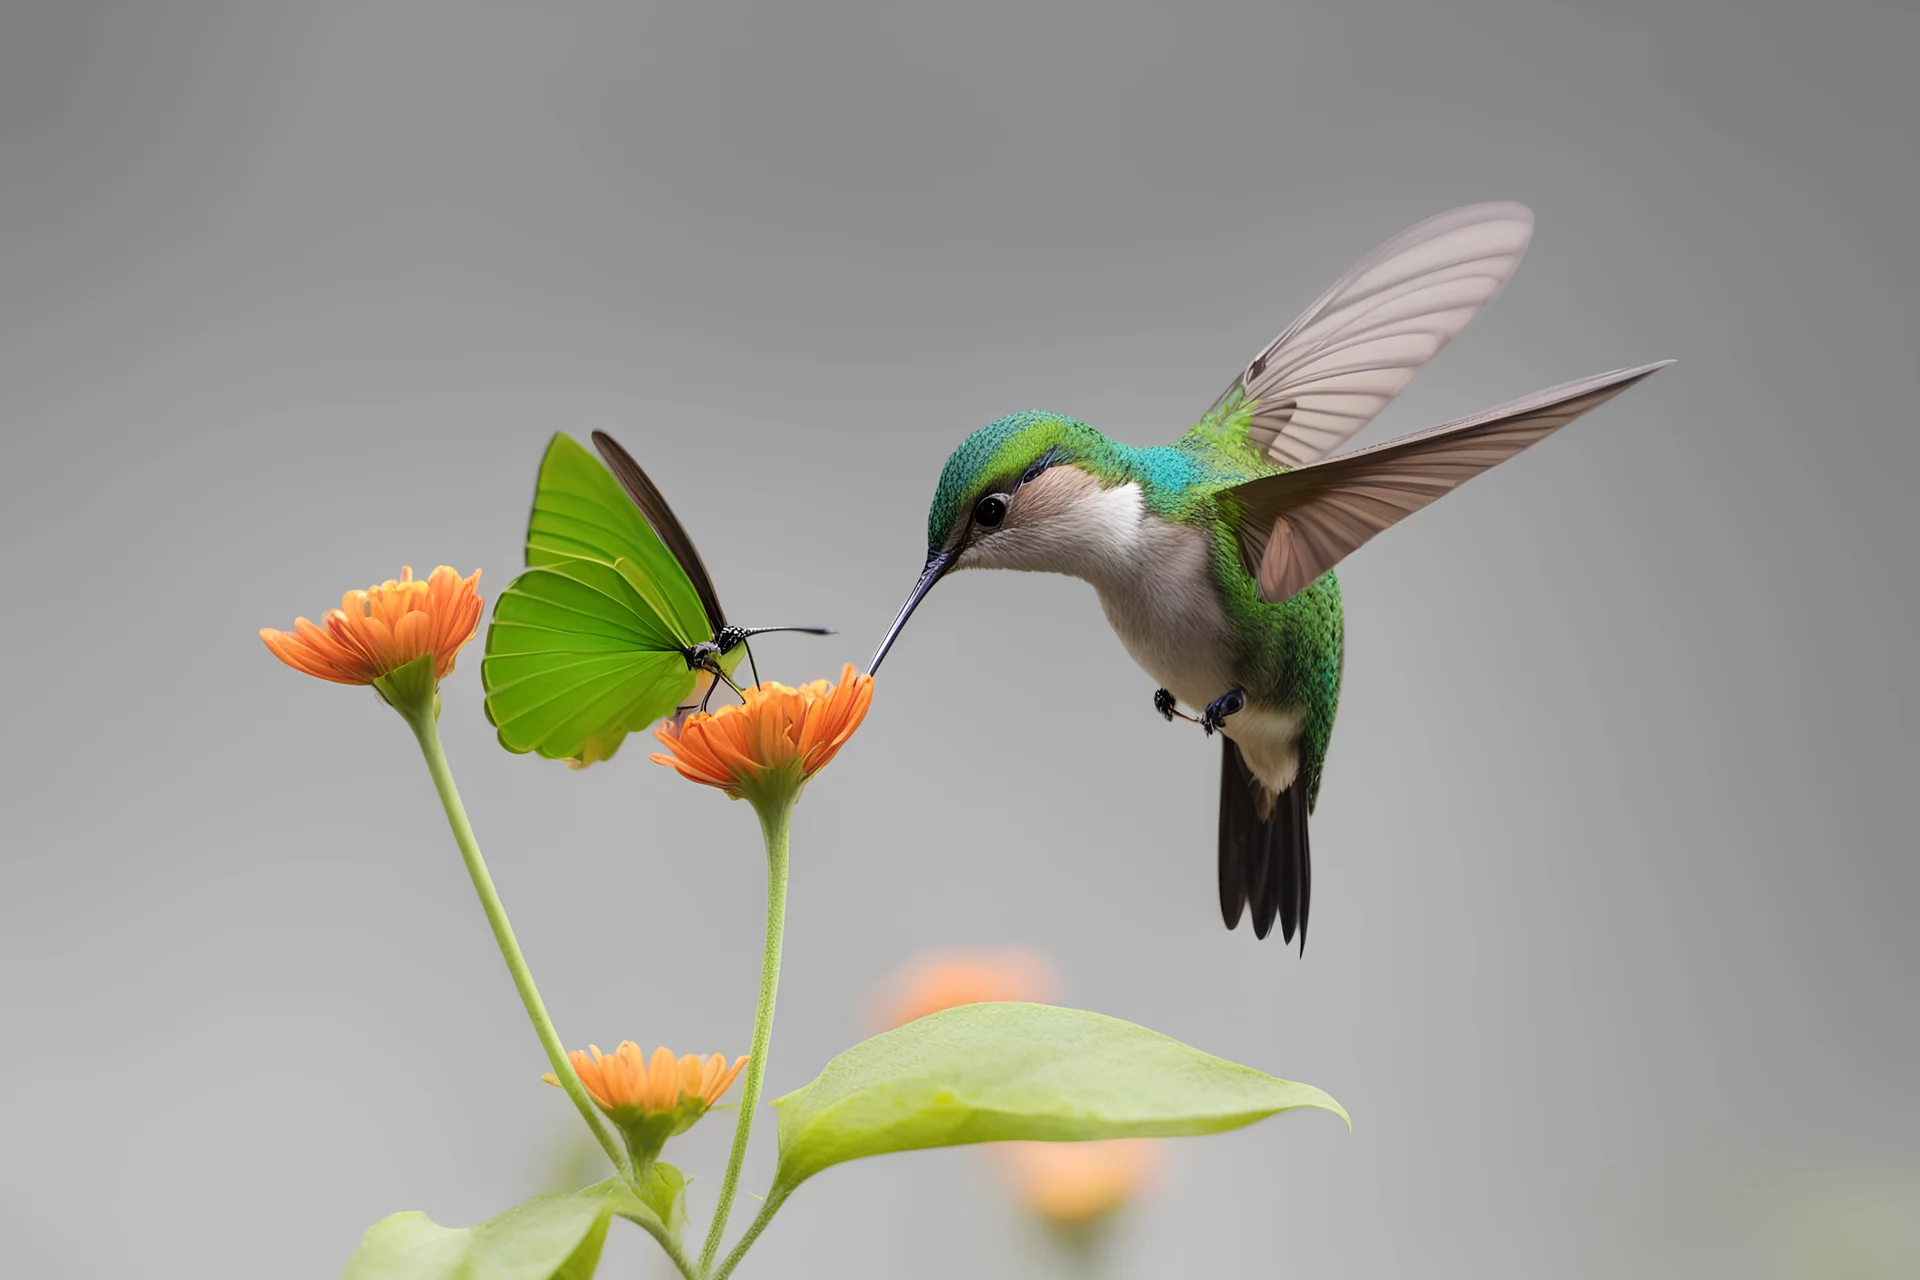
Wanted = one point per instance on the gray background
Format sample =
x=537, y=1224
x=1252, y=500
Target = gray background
x=1612, y=958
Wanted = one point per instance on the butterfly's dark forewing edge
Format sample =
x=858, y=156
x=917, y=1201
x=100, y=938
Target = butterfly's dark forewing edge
x=653, y=505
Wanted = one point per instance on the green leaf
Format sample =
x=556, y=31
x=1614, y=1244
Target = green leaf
x=995, y=1072
x=550, y=1237
x=663, y=1189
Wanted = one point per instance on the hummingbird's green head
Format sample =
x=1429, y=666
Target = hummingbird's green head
x=994, y=461
x=1007, y=499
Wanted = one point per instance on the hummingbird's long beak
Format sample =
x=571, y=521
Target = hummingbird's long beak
x=938, y=562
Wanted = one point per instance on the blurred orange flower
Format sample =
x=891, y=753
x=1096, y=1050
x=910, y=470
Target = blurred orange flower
x=769, y=746
x=628, y=1085
x=377, y=631
x=939, y=980
x=1071, y=1184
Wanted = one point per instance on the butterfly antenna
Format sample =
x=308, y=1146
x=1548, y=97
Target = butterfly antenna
x=730, y=637
x=745, y=632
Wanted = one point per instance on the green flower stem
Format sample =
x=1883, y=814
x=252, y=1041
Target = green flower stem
x=426, y=729
x=775, y=1198
x=668, y=1245
x=775, y=815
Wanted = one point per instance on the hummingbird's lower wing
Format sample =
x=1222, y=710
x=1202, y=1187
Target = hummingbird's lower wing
x=1295, y=526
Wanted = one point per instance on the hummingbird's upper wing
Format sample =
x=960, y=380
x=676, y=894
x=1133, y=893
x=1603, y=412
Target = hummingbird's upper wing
x=1295, y=526
x=1338, y=365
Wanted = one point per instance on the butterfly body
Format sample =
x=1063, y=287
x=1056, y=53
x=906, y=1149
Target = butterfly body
x=1213, y=556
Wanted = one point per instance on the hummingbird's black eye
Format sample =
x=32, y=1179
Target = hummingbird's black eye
x=991, y=510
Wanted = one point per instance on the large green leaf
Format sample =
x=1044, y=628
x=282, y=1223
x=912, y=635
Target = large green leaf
x=550, y=1237
x=993, y=1072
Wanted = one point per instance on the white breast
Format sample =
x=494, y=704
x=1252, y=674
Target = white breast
x=1162, y=603
x=1167, y=613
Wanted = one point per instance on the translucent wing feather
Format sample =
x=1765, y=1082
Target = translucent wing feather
x=1316, y=385
x=1295, y=526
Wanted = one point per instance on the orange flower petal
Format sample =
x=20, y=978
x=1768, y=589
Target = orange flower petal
x=628, y=1085
x=379, y=630
x=717, y=1087
x=777, y=736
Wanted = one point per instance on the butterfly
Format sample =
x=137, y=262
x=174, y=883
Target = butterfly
x=615, y=623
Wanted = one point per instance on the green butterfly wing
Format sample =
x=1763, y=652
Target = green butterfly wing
x=581, y=512
x=587, y=645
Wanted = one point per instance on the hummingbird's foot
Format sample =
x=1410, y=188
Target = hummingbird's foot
x=1163, y=703
x=1220, y=708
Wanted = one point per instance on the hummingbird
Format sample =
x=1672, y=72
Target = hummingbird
x=1213, y=556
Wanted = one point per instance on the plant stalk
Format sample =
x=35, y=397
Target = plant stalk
x=775, y=1198
x=674, y=1253
x=427, y=731
x=775, y=818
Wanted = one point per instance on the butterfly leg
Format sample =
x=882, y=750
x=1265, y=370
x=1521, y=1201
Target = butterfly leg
x=707, y=697
x=719, y=675
x=1220, y=708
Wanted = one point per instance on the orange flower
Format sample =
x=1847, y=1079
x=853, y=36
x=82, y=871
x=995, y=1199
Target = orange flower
x=377, y=631
x=767, y=747
x=1072, y=1183
x=628, y=1086
x=651, y=1100
x=942, y=979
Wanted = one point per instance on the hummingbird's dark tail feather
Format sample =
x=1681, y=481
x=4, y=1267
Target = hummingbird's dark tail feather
x=1265, y=862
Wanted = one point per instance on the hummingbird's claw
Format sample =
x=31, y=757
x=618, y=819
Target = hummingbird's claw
x=1163, y=703
x=1215, y=717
